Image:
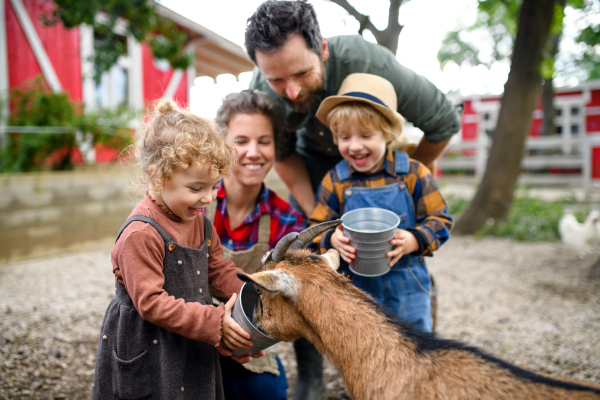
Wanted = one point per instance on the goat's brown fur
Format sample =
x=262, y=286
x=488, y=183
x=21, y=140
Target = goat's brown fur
x=378, y=356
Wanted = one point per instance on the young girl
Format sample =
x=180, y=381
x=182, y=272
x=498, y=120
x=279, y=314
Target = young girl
x=161, y=333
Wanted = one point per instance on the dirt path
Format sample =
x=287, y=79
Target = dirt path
x=528, y=303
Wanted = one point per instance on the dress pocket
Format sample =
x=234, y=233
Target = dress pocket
x=131, y=378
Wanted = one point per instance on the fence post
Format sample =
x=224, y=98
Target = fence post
x=587, y=165
x=482, y=153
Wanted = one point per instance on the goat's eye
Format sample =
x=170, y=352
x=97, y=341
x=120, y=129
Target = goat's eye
x=258, y=291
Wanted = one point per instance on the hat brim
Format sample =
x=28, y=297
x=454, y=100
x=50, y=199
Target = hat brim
x=396, y=120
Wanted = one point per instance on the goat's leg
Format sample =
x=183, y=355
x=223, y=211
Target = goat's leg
x=310, y=384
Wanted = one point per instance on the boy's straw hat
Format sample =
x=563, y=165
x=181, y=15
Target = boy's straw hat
x=371, y=89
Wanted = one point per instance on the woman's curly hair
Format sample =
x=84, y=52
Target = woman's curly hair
x=173, y=139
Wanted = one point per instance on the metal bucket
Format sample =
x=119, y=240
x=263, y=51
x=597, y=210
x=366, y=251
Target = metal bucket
x=242, y=314
x=370, y=231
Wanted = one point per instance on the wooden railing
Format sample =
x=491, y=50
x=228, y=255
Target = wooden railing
x=541, y=154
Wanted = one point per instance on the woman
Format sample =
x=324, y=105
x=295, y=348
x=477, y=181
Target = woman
x=250, y=219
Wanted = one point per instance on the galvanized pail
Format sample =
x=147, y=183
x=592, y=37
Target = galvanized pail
x=242, y=314
x=370, y=231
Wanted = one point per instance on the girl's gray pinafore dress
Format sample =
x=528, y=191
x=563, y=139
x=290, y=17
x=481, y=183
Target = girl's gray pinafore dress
x=139, y=360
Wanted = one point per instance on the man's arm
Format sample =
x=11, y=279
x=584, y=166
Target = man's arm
x=294, y=174
x=427, y=152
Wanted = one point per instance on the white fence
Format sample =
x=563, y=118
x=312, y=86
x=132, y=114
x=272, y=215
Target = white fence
x=540, y=154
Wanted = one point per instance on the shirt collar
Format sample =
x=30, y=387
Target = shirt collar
x=262, y=207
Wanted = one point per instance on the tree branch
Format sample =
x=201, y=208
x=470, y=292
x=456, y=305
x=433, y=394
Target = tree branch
x=364, y=20
x=393, y=15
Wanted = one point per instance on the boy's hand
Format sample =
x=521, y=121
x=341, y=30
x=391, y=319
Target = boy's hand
x=234, y=336
x=340, y=243
x=405, y=243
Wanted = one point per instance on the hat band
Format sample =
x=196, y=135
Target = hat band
x=366, y=96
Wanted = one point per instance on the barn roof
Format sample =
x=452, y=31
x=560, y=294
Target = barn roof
x=215, y=55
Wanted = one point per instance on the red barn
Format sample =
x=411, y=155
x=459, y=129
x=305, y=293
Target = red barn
x=29, y=48
x=577, y=136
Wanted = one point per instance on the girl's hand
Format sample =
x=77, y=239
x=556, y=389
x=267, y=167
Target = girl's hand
x=224, y=351
x=234, y=336
x=405, y=243
x=340, y=243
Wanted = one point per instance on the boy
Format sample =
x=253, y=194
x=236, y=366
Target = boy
x=364, y=122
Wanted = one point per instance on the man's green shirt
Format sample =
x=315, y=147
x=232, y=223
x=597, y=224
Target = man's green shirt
x=419, y=102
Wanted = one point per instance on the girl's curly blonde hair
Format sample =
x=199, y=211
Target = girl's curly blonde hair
x=172, y=139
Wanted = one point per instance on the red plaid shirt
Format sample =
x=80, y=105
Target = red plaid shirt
x=284, y=219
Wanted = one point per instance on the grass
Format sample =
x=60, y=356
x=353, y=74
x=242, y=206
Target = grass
x=530, y=219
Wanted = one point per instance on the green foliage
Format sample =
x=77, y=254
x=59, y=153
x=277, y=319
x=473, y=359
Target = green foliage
x=498, y=19
x=530, y=219
x=35, y=105
x=144, y=24
x=590, y=61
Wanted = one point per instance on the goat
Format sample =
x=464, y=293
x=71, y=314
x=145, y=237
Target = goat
x=379, y=356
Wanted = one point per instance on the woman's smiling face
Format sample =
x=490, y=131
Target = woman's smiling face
x=253, y=138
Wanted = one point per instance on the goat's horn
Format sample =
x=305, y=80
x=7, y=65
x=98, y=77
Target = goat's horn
x=282, y=246
x=307, y=235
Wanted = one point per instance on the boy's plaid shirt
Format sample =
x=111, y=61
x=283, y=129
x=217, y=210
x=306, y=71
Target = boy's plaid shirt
x=431, y=210
x=284, y=219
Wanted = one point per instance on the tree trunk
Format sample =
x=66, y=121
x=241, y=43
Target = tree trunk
x=548, y=91
x=548, y=107
x=495, y=193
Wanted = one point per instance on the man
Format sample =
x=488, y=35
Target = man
x=298, y=68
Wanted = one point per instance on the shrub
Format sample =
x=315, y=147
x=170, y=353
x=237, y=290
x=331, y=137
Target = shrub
x=35, y=105
x=529, y=219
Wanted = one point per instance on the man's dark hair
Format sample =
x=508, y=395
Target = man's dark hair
x=268, y=28
x=251, y=102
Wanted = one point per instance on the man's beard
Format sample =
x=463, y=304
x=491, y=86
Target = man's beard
x=314, y=97
x=311, y=102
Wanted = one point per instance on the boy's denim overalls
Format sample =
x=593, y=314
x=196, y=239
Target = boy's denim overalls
x=405, y=289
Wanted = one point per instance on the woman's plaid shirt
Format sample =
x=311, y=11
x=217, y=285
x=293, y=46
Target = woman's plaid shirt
x=431, y=210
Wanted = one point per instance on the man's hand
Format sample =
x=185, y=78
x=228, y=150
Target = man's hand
x=427, y=152
x=340, y=243
x=294, y=174
x=405, y=243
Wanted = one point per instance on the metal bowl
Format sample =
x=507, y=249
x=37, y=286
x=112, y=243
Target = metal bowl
x=370, y=231
x=242, y=312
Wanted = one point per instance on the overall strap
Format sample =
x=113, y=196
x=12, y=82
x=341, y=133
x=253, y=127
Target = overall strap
x=143, y=218
x=343, y=170
x=207, y=232
x=264, y=229
x=402, y=163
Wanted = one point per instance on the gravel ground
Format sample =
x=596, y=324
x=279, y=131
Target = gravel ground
x=529, y=303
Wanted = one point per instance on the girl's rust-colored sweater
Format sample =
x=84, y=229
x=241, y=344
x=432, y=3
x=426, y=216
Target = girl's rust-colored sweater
x=137, y=260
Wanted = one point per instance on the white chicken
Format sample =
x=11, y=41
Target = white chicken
x=579, y=236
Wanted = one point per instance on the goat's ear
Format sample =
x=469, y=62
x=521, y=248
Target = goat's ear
x=274, y=281
x=249, y=279
x=333, y=258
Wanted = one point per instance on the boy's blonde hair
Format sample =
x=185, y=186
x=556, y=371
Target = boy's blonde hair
x=366, y=116
x=172, y=139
